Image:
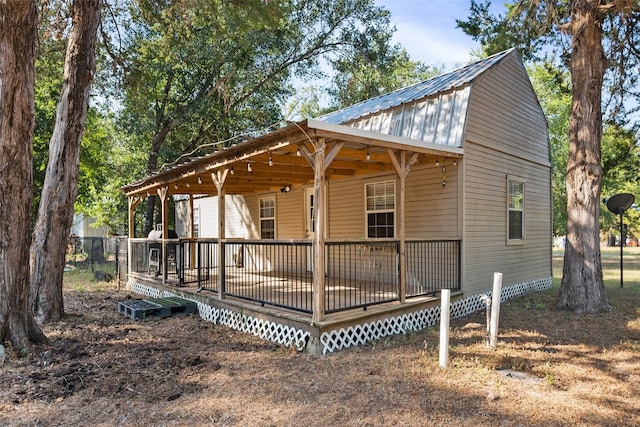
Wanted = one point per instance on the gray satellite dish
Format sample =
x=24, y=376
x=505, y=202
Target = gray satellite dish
x=617, y=204
x=620, y=202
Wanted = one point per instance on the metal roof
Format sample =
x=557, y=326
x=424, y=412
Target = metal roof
x=428, y=88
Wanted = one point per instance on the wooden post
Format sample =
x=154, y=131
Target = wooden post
x=192, y=235
x=133, y=202
x=402, y=168
x=162, y=192
x=219, y=178
x=318, y=243
x=319, y=162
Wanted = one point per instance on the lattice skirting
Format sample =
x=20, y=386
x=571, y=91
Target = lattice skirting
x=360, y=334
x=270, y=331
x=342, y=338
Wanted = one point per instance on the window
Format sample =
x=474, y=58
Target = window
x=380, y=208
x=196, y=221
x=268, y=218
x=515, y=208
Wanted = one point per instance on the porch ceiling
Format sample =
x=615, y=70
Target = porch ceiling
x=271, y=161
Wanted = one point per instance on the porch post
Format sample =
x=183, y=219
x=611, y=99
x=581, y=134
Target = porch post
x=318, y=243
x=133, y=202
x=192, y=235
x=162, y=192
x=402, y=169
x=319, y=163
x=219, y=178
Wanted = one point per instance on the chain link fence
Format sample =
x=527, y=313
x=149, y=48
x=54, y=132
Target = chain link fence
x=105, y=257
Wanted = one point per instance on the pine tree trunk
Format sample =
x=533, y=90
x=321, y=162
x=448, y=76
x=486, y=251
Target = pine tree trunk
x=18, y=25
x=582, y=288
x=60, y=189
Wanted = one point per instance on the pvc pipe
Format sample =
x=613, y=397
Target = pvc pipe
x=445, y=298
x=495, y=309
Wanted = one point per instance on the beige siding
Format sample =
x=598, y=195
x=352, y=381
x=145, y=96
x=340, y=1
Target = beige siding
x=504, y=114
x=238, y=220
x=208, y=207
x=239, y=223
x=431, y=209
x=506, y=134
x=346, y=208
x=485, y=248
x=182, y=218
x=290, y=210
x=253, y=213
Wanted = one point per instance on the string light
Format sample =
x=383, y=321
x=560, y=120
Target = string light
x=444, y=173
x=368, y=156
x=455, y=163
x=270, y=161
x=437, y=163
x=199, y=180
x=233, y=171
x=249, y=167
x=298, y=153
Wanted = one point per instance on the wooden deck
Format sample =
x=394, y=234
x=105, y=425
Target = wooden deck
x=293, y=292
x=287, y=318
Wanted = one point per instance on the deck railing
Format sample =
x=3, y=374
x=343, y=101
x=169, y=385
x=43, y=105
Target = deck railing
x=360, y=274
x=269, y=272
x=280, y=273
x=431, y=266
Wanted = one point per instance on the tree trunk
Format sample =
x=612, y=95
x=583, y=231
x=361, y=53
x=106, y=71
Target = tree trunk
x=55, y=214
x=582, y=288
x=18, y=35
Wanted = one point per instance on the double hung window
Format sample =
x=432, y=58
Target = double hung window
x=380, y=202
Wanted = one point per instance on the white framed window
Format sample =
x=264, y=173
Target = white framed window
x=196, y=221
x=380, y=205
x=515, y=210
x=268, y=218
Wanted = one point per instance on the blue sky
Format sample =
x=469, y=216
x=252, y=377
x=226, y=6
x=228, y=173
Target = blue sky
x=427, y=29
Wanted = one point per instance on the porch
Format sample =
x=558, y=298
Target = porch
x=358, y=274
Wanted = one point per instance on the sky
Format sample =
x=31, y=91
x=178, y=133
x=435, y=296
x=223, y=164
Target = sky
x=427, y=29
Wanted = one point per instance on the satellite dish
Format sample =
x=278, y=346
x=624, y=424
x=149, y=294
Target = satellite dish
x=620, y=203
x=617, y=204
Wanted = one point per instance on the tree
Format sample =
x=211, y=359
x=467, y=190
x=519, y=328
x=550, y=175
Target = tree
x=18, y=35
x=55, y=214
x=534, y=25
x=374, y=67
x=199, y=72
x=553, y=87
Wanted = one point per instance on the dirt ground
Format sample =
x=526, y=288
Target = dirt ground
x=550, y=369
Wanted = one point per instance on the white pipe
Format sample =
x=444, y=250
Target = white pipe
x=445, y=309
x=495, y=309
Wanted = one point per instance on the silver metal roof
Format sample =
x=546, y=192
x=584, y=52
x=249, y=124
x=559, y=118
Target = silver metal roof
x=433, y=111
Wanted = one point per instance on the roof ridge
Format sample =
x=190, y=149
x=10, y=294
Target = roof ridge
x=437, y=84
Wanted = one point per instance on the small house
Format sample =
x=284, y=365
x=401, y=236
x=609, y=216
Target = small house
x=335, y=231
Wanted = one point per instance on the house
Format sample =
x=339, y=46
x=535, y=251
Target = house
x=83, y=226
x=434, y=186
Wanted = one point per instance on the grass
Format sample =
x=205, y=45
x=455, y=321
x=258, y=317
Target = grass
x=550, y=368
x=83, y=279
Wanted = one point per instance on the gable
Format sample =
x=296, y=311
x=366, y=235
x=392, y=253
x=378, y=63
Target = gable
x=433, y=111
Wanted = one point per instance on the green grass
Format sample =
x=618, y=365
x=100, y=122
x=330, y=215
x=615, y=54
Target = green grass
x=82, y=279
x=610, y=257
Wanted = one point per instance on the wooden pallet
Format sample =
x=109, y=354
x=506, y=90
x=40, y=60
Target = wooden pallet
x=156, y=307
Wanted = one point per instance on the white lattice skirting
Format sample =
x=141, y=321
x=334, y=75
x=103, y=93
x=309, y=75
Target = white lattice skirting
x=360, y=334
x=270, y=331
x=342, y=338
